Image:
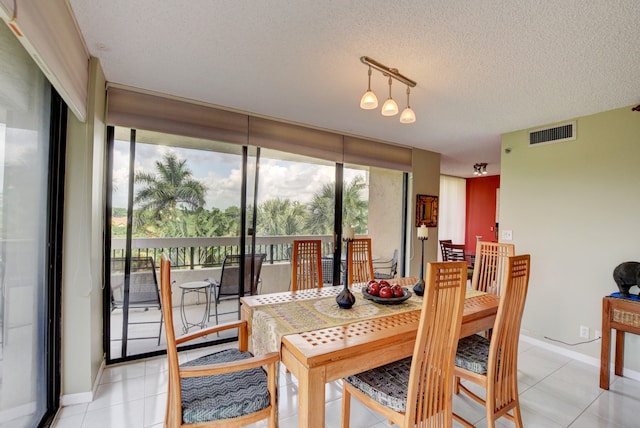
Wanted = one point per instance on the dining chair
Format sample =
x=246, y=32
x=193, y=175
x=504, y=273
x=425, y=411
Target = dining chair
x=228, y=288
x=229, y=388
x=490, y=266
x=390, y=265
x=359, y=263
x=417, y=391
x=493, y=363
x=306, y=264
x=444, y=241
x=142, y=290
x=456, y=253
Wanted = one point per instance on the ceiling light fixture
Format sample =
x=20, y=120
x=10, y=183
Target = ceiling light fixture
x=390, y=107
x=369, y=100
x=408, y=115
x=480, y=169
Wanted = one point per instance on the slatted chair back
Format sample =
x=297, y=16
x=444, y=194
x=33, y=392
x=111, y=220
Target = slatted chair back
x=490, y=266
x=359, y=263
x=453, y=252
x=430, y=379
x=493, y=364
x=444, y=241
x=417, y=391
x=306, y=264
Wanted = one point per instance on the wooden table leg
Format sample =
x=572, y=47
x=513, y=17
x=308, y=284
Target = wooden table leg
x=605, y=346
x=311, y=398
x=619, y=362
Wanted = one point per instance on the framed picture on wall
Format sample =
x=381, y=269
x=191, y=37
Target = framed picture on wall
x=426, y=210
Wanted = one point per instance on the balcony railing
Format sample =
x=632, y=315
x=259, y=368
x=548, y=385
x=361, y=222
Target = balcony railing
x=196, y=253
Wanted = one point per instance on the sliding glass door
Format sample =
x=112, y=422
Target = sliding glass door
x=30, y=230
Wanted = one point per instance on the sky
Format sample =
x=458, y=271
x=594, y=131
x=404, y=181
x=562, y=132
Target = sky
x=221, y=173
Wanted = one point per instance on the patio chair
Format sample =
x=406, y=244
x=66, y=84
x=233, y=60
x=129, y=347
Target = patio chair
x=493, y=364
x=359, y=262
x=142, y=290
x=417, y=391
x=306, y=264
x=228, y=388
x=228, y=288
x=391, y=267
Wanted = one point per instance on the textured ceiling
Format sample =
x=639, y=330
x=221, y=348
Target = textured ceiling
x=482, y=67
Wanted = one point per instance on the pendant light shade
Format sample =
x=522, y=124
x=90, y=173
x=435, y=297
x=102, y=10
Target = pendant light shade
x=408, y=115
x=389, y=108
x=369, y=101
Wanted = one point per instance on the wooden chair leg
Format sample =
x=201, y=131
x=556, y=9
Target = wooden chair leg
x=346, y=407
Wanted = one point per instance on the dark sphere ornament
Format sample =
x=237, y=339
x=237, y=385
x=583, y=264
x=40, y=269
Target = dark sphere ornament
x=345, y=299
x=418, y=288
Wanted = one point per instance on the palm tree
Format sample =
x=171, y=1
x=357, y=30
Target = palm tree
x=168, y=192
x=281, y=217
x=321, y=211
x=354, y=208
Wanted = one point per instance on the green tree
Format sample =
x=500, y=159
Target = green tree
x=321, y=211
x=281, y=217
x=168, y=194
x=354, y=208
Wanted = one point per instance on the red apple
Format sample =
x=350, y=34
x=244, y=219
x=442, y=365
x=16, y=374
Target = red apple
x=385, y=292
x=397, y=290
x=384, y=283
x=373, y=288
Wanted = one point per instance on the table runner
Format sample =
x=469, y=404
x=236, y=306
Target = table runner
x=271, y=322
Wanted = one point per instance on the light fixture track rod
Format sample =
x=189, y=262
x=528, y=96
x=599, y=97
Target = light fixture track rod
x=387, y=71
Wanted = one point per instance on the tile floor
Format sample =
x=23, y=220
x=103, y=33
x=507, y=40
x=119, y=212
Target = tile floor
x=555, y=391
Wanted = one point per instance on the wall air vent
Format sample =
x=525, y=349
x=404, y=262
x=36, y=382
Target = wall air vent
x=564, y=132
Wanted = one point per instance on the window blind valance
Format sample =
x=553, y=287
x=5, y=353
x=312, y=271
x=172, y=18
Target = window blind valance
x=135, y=109
x=361, y=151
x=48, y=31
x=174, y=116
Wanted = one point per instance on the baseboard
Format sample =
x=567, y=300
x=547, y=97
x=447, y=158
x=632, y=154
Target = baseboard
x=592, y=361
x=83, y=397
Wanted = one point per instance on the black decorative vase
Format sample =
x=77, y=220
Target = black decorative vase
x=345, y=299
x=418, y=288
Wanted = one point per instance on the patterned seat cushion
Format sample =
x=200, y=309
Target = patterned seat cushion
x=223, y=396
x=473, y=353
x=387, y=384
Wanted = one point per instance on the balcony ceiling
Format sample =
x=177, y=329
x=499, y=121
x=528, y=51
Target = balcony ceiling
x=483, y=67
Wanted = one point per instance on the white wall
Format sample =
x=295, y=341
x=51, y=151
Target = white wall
x=574, y=207
x=82, y=350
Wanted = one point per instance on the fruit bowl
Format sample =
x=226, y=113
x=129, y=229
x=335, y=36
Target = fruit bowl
x=387, y=300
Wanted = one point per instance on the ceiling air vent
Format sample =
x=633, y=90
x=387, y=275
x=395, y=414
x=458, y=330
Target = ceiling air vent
x=564, y=132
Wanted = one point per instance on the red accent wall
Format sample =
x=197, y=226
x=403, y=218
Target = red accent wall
x=481, y=210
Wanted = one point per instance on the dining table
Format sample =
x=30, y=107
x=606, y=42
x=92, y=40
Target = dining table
x=319, y=342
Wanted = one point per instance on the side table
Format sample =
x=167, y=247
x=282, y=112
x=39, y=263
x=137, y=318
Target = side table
x=195, y=287
x=624, y=316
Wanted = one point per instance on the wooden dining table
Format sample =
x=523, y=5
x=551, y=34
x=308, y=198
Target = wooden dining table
x=319, y=342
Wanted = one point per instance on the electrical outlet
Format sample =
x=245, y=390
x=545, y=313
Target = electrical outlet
x=597, y=334
x=507, y=235
x=584, y=332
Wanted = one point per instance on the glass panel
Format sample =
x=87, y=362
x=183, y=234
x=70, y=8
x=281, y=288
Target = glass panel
x=372, y=205
x=296, y=200
x=185, y=203
x=24, y=171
